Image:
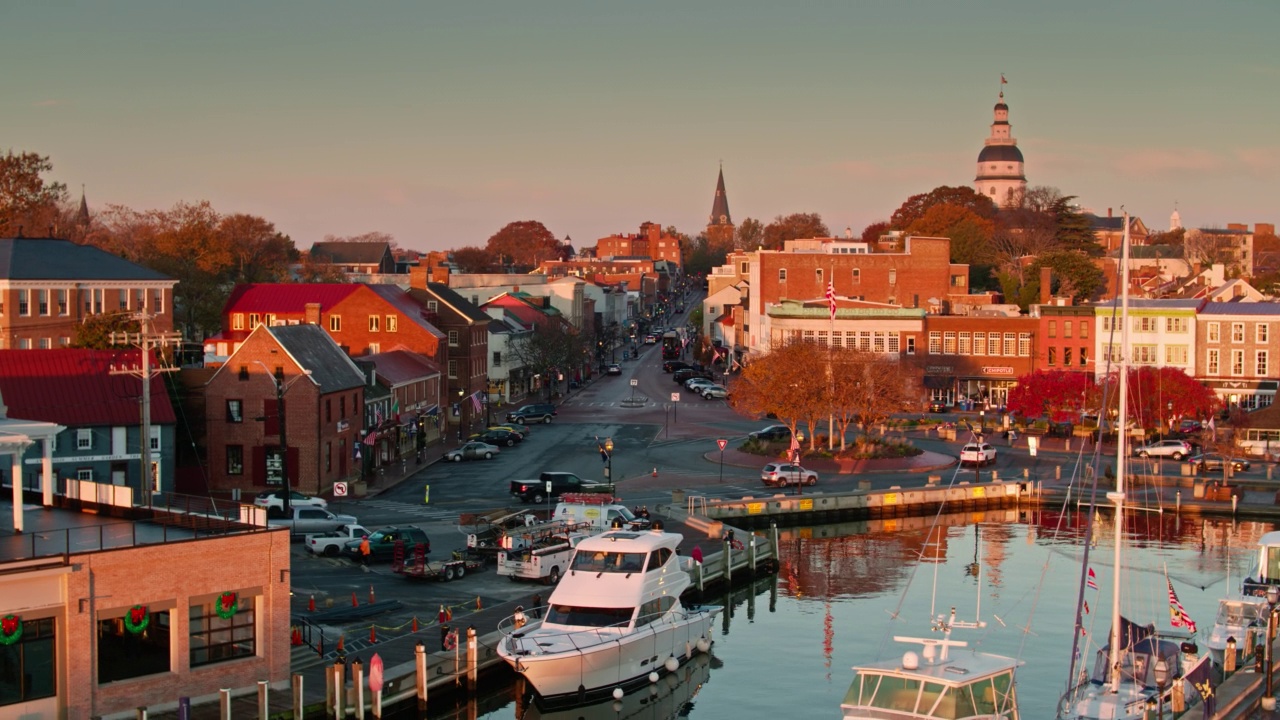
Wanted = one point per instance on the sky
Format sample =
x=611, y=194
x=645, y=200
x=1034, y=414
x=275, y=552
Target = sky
x=441, y=122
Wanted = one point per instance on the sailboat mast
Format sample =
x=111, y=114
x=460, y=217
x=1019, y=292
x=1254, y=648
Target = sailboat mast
x=1121, y=456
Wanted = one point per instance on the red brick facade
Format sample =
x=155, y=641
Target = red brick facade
x=650, y=242
x=976, y=357
x=1067, y=338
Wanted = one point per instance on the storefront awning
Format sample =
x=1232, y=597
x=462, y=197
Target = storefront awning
x=938, y=382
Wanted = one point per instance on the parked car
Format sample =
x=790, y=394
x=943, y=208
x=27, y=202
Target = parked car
x=773, y=433
x=671, y=366
x=307, y=519
x=1176, y=449
x=514, y=427
x=332, y=542
x=977, y=454
x=775, y=474
x=1190, y=426
x=273, y=501
x=382, y=544
x=474, y=450
x=1214, y=461
x=714, y=392
x=651, y=339
x=697, y=383
x=680, y=376
x=499, y=437
x=613, y=369
x=537, y=412
x=937, y=406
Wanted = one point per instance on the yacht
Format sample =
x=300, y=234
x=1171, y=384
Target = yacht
x=614, y=620
x=1242, y=615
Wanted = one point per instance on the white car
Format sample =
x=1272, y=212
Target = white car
x=696, y=384
x=331, y=543
x=775, y=474
x=273, y=500
x=1176, y=449
x=711, y=392
x=977, y=454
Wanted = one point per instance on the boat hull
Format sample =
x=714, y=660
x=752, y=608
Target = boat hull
x=585, y=662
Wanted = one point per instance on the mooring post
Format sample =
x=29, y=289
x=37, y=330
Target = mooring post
x=751, y=553
x=357, y=683
x=339, y=690
x=298, y=703
x=420, y=673
x=728, y=561
x=473, y=657
x=224, y=704
x=264, y=707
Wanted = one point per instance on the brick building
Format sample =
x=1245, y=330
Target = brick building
x=121, y=615
x=466, y=330
x=355, y=258
x=1066, y=333
x=323, y=411
x=977, y=358
x=650, y=243
x=1237, y=351
x=49, y=287
x=413, y=382
x=362, y=319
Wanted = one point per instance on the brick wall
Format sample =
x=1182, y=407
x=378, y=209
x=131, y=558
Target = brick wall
x=908, y=279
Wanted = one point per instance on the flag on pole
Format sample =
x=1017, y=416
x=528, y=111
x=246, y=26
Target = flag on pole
x=1093, y=580
x=475, y=401
x=1086, y=607
x=1002, y=80
x=1178, y=616
x=831, y=298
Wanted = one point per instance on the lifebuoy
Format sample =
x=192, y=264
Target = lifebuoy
x=451, y=640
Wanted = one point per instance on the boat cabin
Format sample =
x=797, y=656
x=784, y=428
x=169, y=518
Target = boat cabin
x=620, y=579
x=1138, y=662
x=947, y=692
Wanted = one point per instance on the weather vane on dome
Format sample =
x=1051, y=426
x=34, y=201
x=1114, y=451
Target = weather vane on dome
x=1003, y=82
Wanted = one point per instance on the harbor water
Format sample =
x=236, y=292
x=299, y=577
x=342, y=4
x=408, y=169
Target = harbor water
x=785, y=646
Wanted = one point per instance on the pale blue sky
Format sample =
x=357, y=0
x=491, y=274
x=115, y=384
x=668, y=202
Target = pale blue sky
x=441, y=122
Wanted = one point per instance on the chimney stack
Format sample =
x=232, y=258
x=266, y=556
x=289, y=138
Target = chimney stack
x=1046, y=278
x=311, y=314
x=1108, y=212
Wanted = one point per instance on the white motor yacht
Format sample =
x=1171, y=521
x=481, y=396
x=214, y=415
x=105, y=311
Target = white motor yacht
x=1242, y=615
x=614, y=619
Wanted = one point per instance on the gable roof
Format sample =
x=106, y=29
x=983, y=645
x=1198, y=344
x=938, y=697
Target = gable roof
x=53, y=259
x=401, y=366
x=1240, y=308
x=401, y=300
x=287, y=297
x=363, y=253
x=444, y=294
x=75, y=387
x=313, y=349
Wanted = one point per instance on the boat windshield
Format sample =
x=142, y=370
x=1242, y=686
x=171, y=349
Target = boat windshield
x=589, y=616
x=1234, y=612
x=984, y=697
x=613, y=562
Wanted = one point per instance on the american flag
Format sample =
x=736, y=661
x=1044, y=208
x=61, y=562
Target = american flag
x=1092, y=582
x=1178, y=616
x=475, y=401
x=831, y=298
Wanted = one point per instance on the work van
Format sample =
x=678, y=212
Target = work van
x=599, y=510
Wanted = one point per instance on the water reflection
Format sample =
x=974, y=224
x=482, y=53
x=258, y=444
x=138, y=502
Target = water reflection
x=839, y=598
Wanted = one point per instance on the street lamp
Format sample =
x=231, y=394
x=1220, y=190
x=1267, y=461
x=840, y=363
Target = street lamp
x=462, y=411
x=606, y=454
x=281, y=387
x=1162, y=681
x=1273, y=597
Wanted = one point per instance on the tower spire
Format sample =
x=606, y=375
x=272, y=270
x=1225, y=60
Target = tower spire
x=82, y=217
x=720, y=224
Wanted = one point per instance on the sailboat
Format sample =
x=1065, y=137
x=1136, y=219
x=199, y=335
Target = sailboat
x=1137, y=668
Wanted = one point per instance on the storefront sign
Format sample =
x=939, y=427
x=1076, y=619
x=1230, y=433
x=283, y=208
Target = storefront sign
x=939, y=369
x=996, y=370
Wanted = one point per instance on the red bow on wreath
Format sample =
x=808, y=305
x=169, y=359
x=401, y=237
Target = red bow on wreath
x=227, y=605
x=137, y=619
x=10, y=629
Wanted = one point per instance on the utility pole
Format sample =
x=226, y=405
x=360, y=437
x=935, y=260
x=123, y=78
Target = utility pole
x=145, y=341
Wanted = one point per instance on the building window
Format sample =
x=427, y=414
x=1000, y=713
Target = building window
x=235, y=411
x=254, y=320
x=335, y=323
x=328, y=456
x=1237, y=362
x=1053, y=328
x=24, y=302
x=235, y=459
x=1175, y=355
x=342, y=407
x=270, y=319
x=42, y=300
x=453, y=368
x=1175, y=324
x=993, y=343
x=894, y=343
x=84, y=439
x=1260, y=363
x=28, y=667
x=911, y=344
x=453, y=339
x=375, y=348
x=1009, y=347
x=782, y=274
x=1146, y=324
x=949, y=343
x=328, y=410
x=1144, y=354
x=879, y=343
x=393, y=323
x=818, y=276
x=935, y=343
x=1053, y=356
x=1084, y=330
x=237, y=321
x=1213, y=362
x=1106, y=323
x=963, y=348
x=157, y=305
x=1237, y=332
x=979, y=343
x=893, y=276
x=1024, y=344
x=123, y=654
x=214, y=639
x=857, y=276
x=497, y=357
x=243, y=374
x=375, y=321
x=63, y=307
x=44, y=343
x=1213, y=333
x=1066, y=357
x=1261, y=333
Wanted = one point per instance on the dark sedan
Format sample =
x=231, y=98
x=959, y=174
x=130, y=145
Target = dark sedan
x=499, y=437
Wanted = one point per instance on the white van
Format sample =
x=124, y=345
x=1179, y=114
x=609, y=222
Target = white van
x=601, y=511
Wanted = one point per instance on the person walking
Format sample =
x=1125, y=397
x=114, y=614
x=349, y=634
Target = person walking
x=365, y=550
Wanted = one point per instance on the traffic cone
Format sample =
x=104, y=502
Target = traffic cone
x=371, y=601
x=342, y=647
x=354, y=601
x=655, y=472
x=415, y=623
x=311, y=605
x=296, y=638
x=448, y=614
x=478, y=605
x=373, y=634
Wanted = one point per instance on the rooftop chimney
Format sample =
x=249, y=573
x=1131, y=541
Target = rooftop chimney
x=1108, y=212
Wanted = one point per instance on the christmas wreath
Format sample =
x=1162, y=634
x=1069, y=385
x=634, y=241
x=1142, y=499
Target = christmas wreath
x=226, y=605
x=137, y=619
x=10, y=629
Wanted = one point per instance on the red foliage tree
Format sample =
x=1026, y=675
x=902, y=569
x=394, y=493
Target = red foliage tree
x=1059, y=394
x=1159, y=395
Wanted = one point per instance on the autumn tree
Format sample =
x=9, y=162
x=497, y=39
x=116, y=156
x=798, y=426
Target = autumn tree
x=1058, y=394
x=1209, y=248
x=749, y=234
x=700, y=257
x=789, y=383
x=551, y=347
x=792, y=227
x=1175, y=237
x=95, y=331
x=526, y=243
x=963, y=196
x=26, y=199
x=259, y=253
x=872, y=232
x=473, y=259
x=969, y=232
x=1159, y=395
x=1073, y=275
x=867, y=388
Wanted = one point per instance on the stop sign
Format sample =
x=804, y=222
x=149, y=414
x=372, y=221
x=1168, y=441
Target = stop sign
x=375, y=673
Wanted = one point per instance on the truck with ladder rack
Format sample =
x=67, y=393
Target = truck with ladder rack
x=542, y=551
x=412, y=562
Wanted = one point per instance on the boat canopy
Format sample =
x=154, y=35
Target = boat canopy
x=983, y=697
x=1138, y=663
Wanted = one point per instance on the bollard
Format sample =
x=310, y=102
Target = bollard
x=299, y=702
x=1057, y=472
x=142, y=713
x=473, y=657
x=1229, y=658
x=357, y=683
x=995, y=476
x=420, y=673
x=224, y=704
x=264, y=707
x=1177, y=502
x=1234, y=502
x=328, y=693
x=1068, y=444
x=339, y=672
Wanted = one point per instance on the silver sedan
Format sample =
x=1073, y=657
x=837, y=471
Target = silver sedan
x=473, y=450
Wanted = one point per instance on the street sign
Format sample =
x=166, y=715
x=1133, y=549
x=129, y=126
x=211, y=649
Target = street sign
x=722, y=443
x=634, y=382
x=1033, y=444
x=675, y=397
x=339, y=489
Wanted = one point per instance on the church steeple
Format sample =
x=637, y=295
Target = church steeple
x=720, y=224
x=82, y=217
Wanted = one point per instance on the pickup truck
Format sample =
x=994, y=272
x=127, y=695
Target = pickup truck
x=542, y=558
x=331, y=543
x=535, y=491
x=977, y=454
x=307, y=520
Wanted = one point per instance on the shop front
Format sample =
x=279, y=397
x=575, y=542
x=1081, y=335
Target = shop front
x=1244, y=394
